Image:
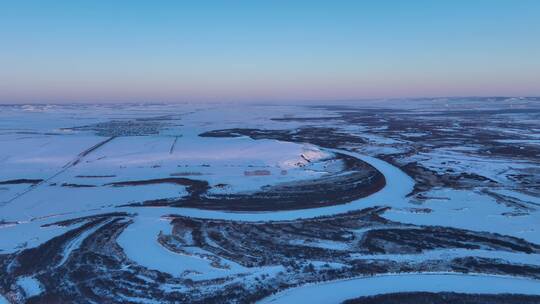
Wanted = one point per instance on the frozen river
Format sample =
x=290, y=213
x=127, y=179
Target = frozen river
x=339, y=291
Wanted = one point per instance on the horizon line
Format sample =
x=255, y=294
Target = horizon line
x=303, y=101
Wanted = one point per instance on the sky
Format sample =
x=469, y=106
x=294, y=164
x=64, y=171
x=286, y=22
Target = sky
x=196, y=51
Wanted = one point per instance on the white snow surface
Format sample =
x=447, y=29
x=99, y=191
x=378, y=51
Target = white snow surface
x=339, y=291
x=471, y=210
x=398, y=185
x=30, y=285
x=35, y=145
x=145, y=230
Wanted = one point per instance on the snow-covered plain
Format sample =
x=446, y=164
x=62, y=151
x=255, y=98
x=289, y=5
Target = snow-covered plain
x=59, y=163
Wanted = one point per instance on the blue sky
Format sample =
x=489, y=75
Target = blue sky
x=116, y=51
